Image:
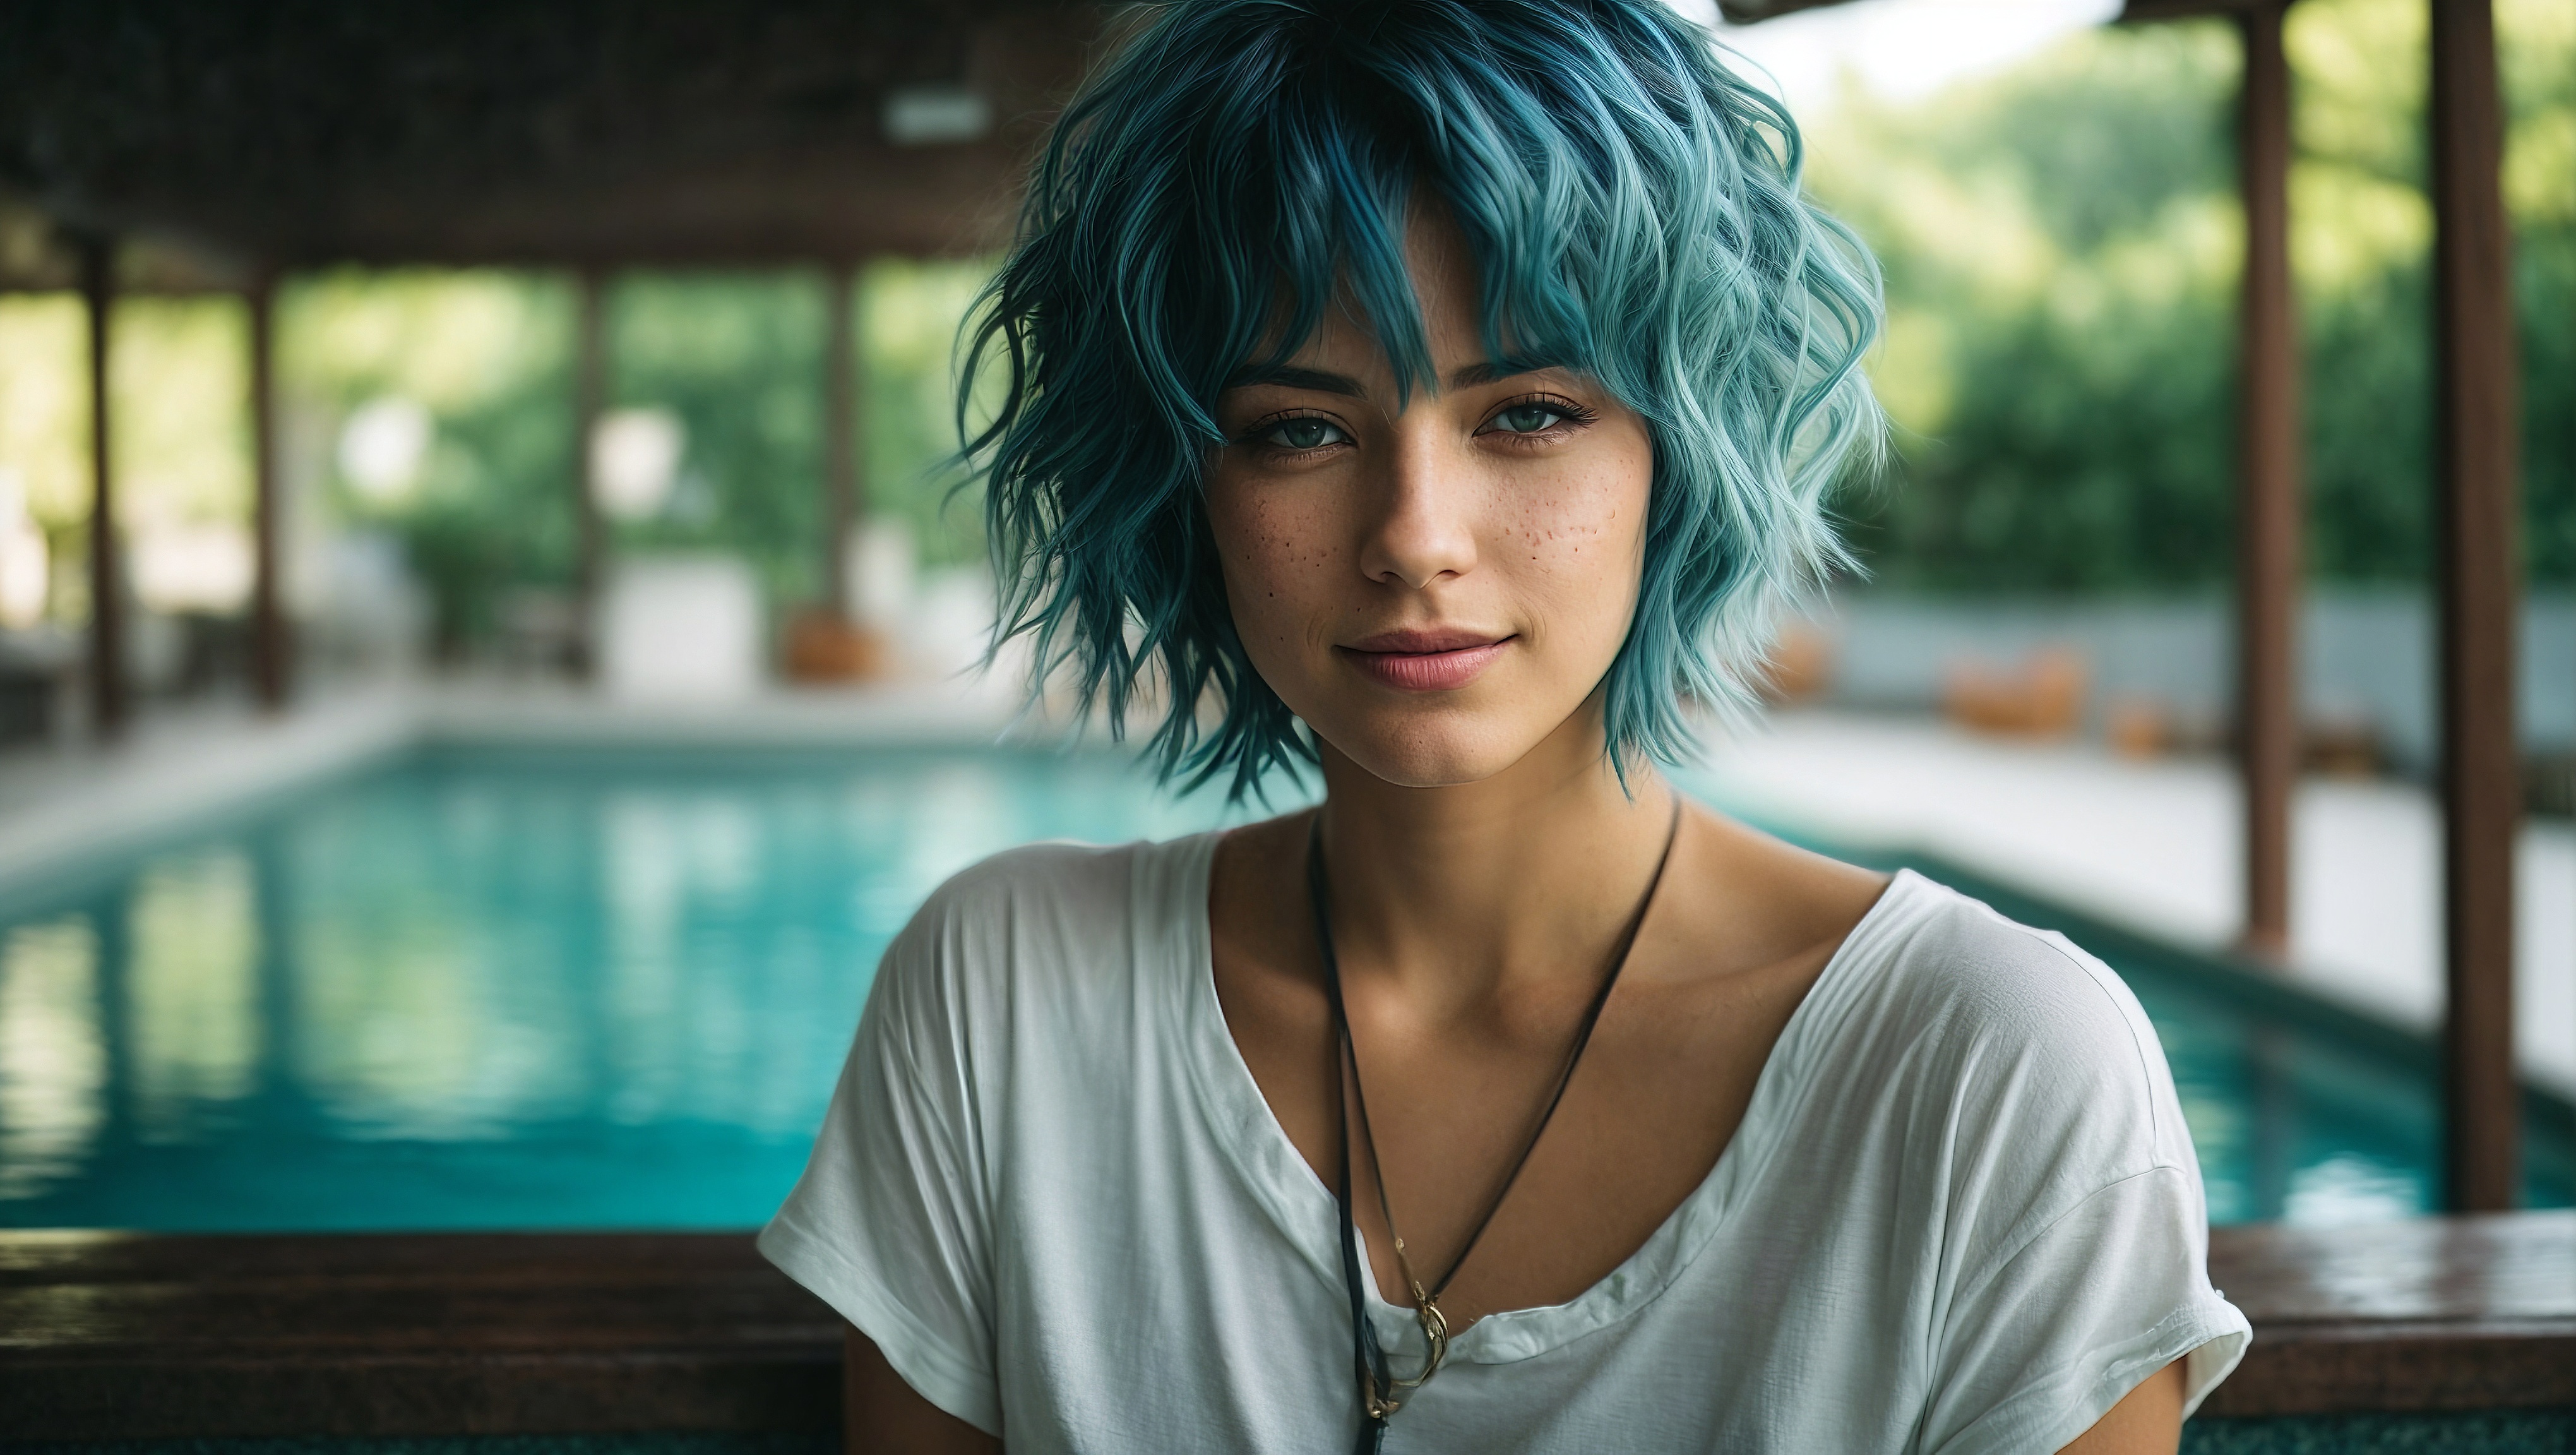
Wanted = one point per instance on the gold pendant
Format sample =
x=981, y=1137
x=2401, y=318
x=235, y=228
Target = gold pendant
x=1435, y=1332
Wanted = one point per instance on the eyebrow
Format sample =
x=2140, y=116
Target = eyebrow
x=1288, y=376
x=1471, y=375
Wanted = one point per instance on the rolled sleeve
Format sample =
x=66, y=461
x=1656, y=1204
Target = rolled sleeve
x=2062, y=1329
x=889, y=1224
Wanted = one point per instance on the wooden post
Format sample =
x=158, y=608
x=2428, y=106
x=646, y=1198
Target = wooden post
x=590, y=401
x=270, y=664
x=2269, y=494
x=2477, y=452
x=107, y=701
x=842, y=505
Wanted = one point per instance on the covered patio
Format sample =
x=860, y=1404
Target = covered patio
x=221, y=149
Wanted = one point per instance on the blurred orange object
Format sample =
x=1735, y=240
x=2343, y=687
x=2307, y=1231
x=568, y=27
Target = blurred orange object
x=2139, y=727
x=823, y=647
x=2342, y=747
x=2044, y=698
x=1801, y=664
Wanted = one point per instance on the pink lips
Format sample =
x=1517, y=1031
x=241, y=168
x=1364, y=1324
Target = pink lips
x=1433, y=660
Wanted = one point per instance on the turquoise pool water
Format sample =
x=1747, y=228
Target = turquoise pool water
x=555, y=989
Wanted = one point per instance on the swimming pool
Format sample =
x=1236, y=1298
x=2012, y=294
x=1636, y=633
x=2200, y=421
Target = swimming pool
x=547, y=988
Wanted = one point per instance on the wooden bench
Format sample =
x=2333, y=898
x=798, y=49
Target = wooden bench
x=109, y=1336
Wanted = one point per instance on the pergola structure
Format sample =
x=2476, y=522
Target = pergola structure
x=218, y=145
x=2477, y=491
x=215, y=147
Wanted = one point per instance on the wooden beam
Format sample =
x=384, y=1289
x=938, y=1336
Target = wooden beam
x=401, y=1335
x=590, y=529
x=1746, y=12
x=2477, y=436
x=2269, y=496
x=843, y=500
x=514, y=135
x=125, y=1336
x=2424, y=1314
x=271, y=666
x=107, y=698
x=2140, y=11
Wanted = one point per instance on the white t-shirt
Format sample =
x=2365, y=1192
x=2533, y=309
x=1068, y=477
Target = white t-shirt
x=1961, y=1214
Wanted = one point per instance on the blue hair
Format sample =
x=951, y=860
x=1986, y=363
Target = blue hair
x=1635, y=212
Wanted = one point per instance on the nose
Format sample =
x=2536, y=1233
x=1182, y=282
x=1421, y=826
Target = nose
x=1424, y=526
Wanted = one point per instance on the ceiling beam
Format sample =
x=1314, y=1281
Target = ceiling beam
x=223, y=139
x=2138, y=11
x=1746, y=12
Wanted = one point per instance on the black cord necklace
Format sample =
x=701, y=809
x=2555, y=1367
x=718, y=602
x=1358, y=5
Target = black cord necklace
x=1378, y=1385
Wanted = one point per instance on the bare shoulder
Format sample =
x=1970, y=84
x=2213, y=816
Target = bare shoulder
x=1248, y=918
x=1271, y=844
x=1751, y=901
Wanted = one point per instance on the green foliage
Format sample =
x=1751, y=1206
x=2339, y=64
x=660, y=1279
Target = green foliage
x=2369, y=439
x=2545, y=274
x=738, y=358
x=489, y=356
x=2063, y=245
x=2066, y=466
x=909, y=313
x=2538, y=57
x=182, y=448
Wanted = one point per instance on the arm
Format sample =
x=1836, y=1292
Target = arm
x=882, y=1415
x=2146, y=1421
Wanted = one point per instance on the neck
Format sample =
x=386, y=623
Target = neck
x=1463, y=892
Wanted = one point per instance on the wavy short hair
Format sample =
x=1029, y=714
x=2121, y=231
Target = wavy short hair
x=1635, y=213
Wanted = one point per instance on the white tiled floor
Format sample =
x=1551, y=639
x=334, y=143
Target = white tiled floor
x=2154, y=845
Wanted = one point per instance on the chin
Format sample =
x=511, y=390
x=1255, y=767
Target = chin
x=1444, y=751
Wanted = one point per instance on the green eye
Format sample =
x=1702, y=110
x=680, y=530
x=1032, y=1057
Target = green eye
x=1308, y=433
x=1527, y=418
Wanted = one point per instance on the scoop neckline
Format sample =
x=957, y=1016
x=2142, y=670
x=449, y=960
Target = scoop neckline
x=1303, y=1208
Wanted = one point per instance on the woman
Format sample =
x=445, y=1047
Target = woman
x=1445, y=394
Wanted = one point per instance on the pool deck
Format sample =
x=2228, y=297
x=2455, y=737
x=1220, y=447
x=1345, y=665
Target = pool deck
x=65, y=802
x=109, y=1336
x=2153, y=845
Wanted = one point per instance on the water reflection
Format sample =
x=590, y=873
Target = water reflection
x=494, y=990
x=2348, y=1188
x=424, y=1005
x=191, y=998
x=2289, y=1123
x=53, y=1055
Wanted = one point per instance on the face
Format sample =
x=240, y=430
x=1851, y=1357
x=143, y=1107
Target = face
x=1438, y=589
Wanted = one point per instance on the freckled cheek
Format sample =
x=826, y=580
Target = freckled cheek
x=1582, y=539
x=1274, y=557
